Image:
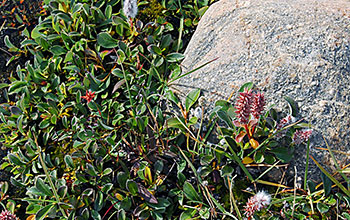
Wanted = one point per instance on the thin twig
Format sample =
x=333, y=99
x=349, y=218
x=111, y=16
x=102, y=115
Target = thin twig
x=295, y=186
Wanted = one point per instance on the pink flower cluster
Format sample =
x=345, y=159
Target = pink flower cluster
x=249, y=103
x=284, y=122
x=7, y=215
x=256, y=203
x=301, y=136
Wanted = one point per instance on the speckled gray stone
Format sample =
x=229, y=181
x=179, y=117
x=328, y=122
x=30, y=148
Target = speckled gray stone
x=298, y=48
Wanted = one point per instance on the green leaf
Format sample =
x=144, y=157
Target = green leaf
x=108, y=12
x=153, y=49
x=258, y=157
x=226, y=171
x=248, y=86
x=58, y=50
x=85, y=213
x=99, y=201
x=223, y=116
x=283, y=153
x=121, y=56
x=293, y=106
x=16, y=182
x=188, y=214
x=95, y=215
x=62, y=191
x=42, y=187
x=346, y=215
x=104, y=126
x=122, y=178
x=322, y=208
x=191, y=98
x=3, y=85
x=20, y=124
x=104, y=39
x=158, y=61
x=166, y=41
x=77, y=144
x=190, y=192
x=175, y=123
x=107, y=171
x=32, y=208
x=174, y=57
x=132, y=187
x=90, y=169
x=64, y=17
x=69, y=161
x=15, y=86
x=64, y=121
x=44, y=123
x=35, y=32
x=202, y=10
x=106, y=188
x=42, y=213
x=9, y=44
x=327, y=184
x=4, y=187
x=53, y=119
x=15, y=160
x=68, y=57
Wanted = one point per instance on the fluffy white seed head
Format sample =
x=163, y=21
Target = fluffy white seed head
x=256, y=203
x=130, y=8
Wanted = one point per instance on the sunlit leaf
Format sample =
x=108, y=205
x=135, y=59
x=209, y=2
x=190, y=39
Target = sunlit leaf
x=247, y=160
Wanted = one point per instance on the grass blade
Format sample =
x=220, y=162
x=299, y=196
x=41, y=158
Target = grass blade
x=336, y=182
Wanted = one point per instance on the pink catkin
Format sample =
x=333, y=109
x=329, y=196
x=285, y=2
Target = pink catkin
x=256, y=203
x=258, y=105
x=243, y=106
x=301, y=136
x=7, y=215
x=282, y=123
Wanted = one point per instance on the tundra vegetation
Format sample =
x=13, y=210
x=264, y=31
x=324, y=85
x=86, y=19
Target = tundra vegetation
x=94, y=131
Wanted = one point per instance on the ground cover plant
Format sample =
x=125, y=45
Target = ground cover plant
x=94, y=131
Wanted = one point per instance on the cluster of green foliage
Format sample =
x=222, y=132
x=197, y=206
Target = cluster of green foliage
x=95, y=132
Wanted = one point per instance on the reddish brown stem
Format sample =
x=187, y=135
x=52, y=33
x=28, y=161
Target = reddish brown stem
x=247, y=130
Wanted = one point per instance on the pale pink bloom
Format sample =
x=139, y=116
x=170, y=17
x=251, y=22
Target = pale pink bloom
x=256, y=203
x=301, y=136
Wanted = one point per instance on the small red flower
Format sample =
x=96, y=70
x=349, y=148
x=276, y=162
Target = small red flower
x=243, y=106
x=89, y=96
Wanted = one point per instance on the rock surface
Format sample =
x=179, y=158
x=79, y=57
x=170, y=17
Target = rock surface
x=296, y=48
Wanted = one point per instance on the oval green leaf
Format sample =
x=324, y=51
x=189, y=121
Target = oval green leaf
x=106, y=40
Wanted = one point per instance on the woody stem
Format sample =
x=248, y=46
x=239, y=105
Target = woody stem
x=247, y=130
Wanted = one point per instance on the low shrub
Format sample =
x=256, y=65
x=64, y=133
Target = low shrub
x=95, y=132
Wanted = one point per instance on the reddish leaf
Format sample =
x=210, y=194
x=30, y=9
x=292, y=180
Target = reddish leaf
x=240, y=136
